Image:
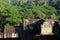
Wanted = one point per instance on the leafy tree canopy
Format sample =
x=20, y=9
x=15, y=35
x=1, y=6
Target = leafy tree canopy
x=11, y=11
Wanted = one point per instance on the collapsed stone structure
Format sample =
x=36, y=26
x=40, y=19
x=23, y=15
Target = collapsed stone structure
x=43, y=27
x=34, y=27
x=38, y=28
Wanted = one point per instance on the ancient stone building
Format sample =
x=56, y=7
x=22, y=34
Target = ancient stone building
x=45, y=27
x=10, y=32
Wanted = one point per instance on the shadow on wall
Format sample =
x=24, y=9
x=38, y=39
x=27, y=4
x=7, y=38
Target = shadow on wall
x=56, y=29
x=36, y=27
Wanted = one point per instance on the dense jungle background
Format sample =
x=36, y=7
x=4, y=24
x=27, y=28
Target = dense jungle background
x=12, y=11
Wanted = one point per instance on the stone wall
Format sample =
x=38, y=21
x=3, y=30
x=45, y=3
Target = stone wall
x=47, y=28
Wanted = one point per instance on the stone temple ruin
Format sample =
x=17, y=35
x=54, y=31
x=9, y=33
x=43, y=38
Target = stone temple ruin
x=42, y=27
x=33, y=27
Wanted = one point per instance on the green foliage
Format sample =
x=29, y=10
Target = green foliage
x=10, y=13
x=28, y=14
x=13, y=10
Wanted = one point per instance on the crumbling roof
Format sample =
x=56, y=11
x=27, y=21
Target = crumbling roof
x=30, y=21
x=33, y=21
